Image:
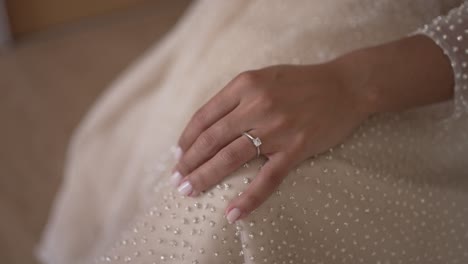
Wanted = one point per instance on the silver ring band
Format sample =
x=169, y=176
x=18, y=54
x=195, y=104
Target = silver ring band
x=256, y=141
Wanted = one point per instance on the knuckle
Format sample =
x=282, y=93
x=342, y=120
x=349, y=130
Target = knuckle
x=282, y=120
x=183, y=142
x=247, y=78
x=200, y=118
x=220, y=128
x=252, y=200
x=299, y=141
x=273, y=181
x=301, y=137
x=265, y=103
x=269, y=182
x=229, y=157
x=206, y=141
x=183, y=167
x=199, y=181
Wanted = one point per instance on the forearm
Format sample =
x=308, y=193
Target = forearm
x=396, y=76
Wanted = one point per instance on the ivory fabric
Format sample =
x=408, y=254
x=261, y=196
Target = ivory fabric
x=396, y=191
x=450, y=32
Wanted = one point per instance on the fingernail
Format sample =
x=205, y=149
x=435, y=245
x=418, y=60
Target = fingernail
x=176, y=178
x=185, y=188
x=177, y=151
x=233, y=215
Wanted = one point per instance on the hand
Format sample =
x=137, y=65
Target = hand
x=301, y=111
x=297, y=111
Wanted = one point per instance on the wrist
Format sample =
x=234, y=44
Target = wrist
x=355, y=72
x=398, y=75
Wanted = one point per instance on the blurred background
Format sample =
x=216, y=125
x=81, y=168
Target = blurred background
x=56, y=57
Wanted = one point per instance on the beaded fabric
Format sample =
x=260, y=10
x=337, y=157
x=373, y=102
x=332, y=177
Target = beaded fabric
x=450, y=32
x=396, y=191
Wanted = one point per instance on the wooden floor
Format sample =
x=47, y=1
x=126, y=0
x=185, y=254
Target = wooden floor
x=47, y=82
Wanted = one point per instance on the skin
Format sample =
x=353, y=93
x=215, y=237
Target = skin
x=301, y=111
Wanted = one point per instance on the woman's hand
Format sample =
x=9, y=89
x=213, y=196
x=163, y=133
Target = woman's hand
x=300, y=111
x=297, y=112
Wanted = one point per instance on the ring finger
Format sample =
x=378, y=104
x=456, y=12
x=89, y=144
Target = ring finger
x=226, y=161
x=209, y=143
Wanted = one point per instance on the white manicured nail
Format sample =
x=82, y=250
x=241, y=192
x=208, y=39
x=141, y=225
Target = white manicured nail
x=185, y=188
x=176, y=178
x=177, y=151
x=233, y=215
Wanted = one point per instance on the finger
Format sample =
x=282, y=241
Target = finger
x=226, y=161
x=218, y=106
x=210, y=142
x=268, y=179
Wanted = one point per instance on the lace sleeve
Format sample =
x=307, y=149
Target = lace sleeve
x=450, y=32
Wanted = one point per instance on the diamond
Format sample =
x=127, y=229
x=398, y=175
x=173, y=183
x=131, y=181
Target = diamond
x=257, y=142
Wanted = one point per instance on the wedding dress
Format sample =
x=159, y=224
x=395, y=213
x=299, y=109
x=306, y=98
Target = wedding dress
x=396, y=191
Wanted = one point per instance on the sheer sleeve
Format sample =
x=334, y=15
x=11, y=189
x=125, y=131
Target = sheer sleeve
x=450, y=32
